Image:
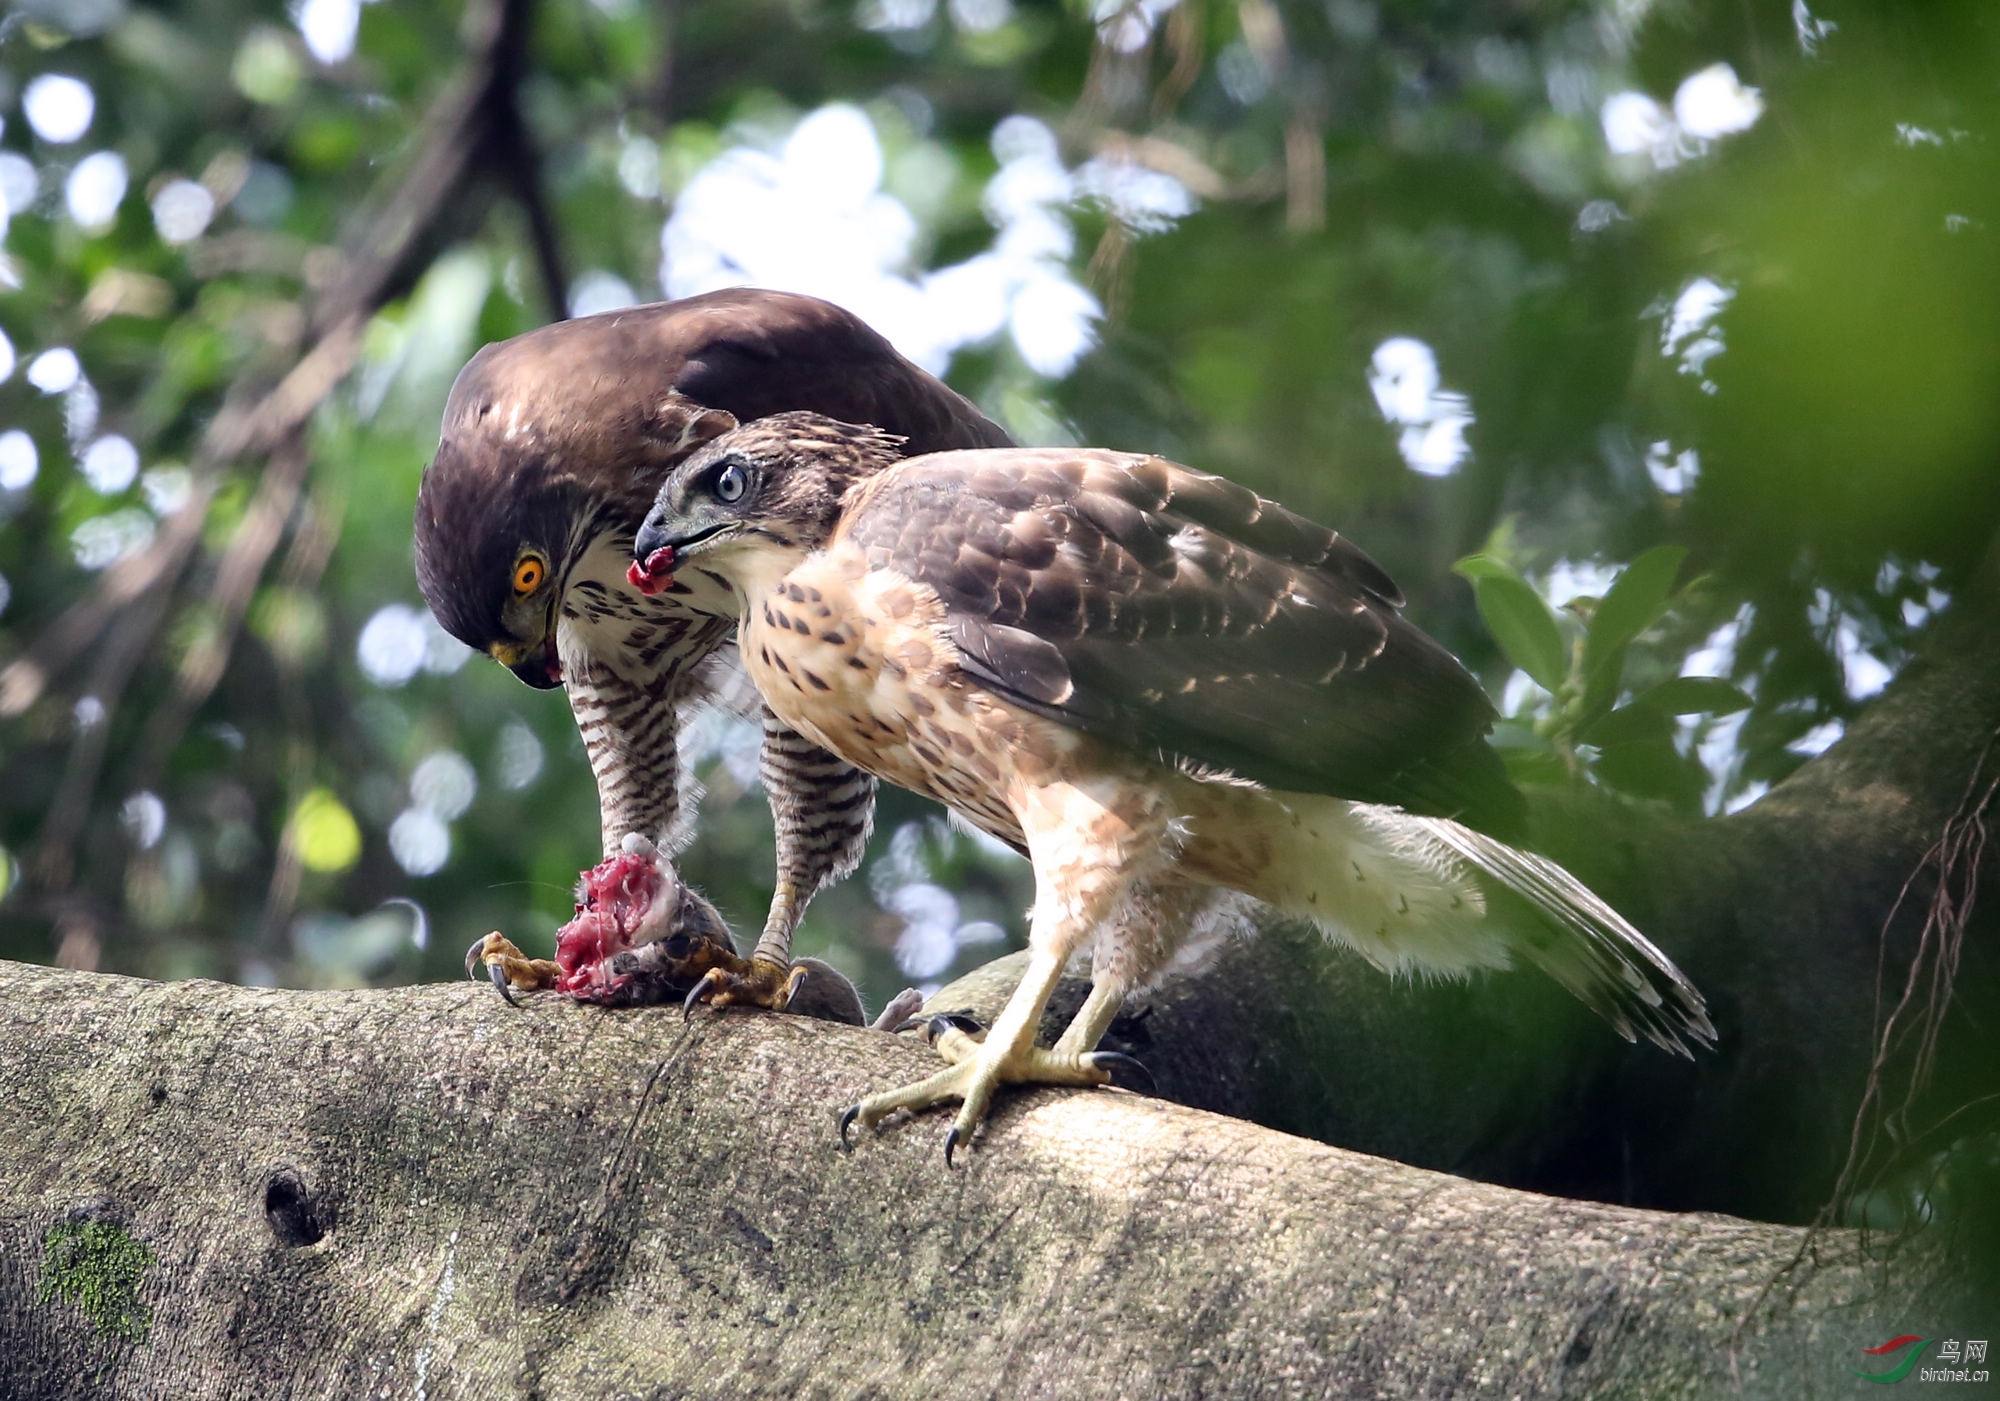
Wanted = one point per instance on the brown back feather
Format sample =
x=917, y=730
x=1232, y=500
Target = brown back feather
x=1176, y=610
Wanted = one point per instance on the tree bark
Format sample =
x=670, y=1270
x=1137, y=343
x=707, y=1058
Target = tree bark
x=427, y=1192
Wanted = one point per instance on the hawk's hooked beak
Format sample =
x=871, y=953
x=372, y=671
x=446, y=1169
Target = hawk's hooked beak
x=649, y=542
x=538, y=665
x=657, y=548
x=653, y=538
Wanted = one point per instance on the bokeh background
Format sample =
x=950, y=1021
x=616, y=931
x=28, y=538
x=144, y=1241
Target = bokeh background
x=1556, y=283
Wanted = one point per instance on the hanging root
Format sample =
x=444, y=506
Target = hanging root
x=1917, y=1019
x=1918, y=1016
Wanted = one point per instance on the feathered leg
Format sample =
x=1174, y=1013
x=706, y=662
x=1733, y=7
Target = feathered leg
x=1153, y=921
x=1092, y=845
x=630, y=731
x=823, y=808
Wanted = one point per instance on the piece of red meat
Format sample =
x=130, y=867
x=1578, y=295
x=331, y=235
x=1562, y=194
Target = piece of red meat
x=655, y=574
x=623, y=902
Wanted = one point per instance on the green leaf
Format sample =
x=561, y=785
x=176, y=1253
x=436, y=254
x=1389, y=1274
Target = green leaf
x=1652, y=769
x=1477, y=567
x=1602, y=671
x=1696, y=695
x=1518, y=618
x=1634, y=603
x=1513, y=734
x=1637, y=723
x=1541, y=767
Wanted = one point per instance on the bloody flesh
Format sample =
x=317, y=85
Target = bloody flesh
x=618, y=894
x=654, y=574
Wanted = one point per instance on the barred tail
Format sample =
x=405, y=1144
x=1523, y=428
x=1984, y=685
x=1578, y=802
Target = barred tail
x=1430, y=896
x=1583, y=943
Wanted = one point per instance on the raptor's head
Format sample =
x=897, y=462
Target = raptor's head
x=759, y=499
x=556, y=442
x=552, y=447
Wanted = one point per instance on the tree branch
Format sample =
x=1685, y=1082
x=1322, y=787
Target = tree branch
x=256, y=539
x=383, y=251
x=423, y=1188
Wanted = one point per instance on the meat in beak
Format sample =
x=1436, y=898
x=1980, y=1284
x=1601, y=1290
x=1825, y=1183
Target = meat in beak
x=654, y=572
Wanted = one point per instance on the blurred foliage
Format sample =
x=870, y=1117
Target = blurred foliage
x=1536, y=284
x=1631, y=746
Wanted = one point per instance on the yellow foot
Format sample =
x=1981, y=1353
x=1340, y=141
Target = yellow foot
x=509, y=967
x=975, y=1072
x=759, y=982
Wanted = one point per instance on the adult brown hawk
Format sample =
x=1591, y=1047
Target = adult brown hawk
x=553, y=446
x=1159, y=685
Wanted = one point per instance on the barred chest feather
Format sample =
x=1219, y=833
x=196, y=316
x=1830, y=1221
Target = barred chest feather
x=854, y=660
x=627, y=661
x=609, y=624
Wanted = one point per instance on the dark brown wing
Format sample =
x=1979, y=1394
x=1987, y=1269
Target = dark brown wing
x=1180, y=612
x=587, y=416
x=758, y=353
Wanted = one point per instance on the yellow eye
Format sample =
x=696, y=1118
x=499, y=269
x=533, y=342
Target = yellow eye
x=528, y=572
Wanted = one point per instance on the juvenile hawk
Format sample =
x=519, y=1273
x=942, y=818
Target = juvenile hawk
x=1159, y=685
x=554, y=444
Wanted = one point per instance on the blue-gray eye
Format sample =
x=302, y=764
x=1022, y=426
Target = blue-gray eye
x=729, y=484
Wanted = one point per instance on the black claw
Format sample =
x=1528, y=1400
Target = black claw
x=1104, y=1060
x=936, y=1026
x=796, y=979
x=847, y=1118
x=499, y=976
x=950, y=1141
x=493, y=970
x=708, y=980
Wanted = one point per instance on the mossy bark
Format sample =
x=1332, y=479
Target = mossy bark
x=426, y=1192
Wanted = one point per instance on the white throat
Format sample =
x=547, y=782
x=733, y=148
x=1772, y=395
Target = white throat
x=754, y=568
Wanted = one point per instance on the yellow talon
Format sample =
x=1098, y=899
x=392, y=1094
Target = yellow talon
x=509, y=968
x=761, y=982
